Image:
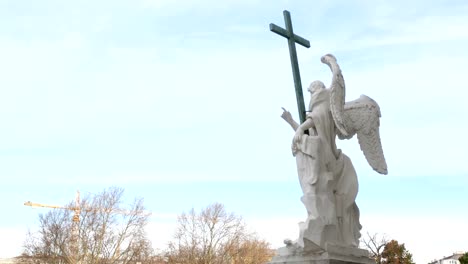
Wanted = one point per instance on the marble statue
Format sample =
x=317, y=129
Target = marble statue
x=327, y=177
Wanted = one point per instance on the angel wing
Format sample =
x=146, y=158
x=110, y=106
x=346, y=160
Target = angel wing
x=361, y=117
x=337, y=93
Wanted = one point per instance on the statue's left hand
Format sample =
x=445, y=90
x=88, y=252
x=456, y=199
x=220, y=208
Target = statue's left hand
x=298, y=136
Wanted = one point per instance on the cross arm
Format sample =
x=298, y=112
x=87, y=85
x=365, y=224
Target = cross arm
x=283, y=32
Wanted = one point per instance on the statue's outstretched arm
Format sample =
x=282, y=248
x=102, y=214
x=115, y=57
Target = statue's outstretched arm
x=288, y=118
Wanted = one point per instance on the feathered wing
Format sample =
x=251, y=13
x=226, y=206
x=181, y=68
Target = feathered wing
x=362, y=117
x=337, y=93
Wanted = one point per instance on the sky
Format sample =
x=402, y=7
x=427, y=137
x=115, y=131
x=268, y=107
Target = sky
x=179, y=102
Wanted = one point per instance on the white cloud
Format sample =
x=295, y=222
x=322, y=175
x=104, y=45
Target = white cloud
x=185, y=5
x=394, y=30
x=424, y=29
x=11, y=241
x=161, y=233
x=74, y=40
x=275, y=229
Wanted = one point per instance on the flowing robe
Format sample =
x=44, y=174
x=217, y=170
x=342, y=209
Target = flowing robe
x=328, y=181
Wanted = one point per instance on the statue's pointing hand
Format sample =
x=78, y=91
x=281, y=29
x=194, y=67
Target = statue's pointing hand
x=286, y=115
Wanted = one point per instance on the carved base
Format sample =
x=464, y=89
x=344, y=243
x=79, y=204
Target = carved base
x=333, y=255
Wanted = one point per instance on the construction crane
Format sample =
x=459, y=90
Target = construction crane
x=75, y=223
x=77, y=208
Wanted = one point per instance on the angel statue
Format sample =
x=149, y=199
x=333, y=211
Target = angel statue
x=326, y=175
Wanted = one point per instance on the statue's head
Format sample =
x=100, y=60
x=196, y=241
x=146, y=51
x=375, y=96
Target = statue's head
x=316, y=86
x=318, y=94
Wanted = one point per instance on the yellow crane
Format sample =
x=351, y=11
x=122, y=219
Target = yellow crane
x=76, y=219
x=75, y=224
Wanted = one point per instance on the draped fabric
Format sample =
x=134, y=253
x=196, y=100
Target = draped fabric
x=328, y=181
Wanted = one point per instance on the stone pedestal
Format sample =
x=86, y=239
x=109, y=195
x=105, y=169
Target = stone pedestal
x=332, y=255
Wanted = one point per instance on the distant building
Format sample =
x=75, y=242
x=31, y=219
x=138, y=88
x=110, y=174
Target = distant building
x=453, y=259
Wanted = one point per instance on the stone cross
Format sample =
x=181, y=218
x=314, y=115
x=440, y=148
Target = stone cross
x=292, y=39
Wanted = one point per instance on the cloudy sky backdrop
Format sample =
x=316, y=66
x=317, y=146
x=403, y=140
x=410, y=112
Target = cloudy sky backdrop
x=179, y=102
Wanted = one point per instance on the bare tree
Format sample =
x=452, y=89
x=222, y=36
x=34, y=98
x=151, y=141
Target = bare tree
x=214, y=236
x=107, y=234
x=375, y=244
x=250, y=251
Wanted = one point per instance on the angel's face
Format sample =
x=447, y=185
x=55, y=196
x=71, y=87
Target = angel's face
x=315, y=86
